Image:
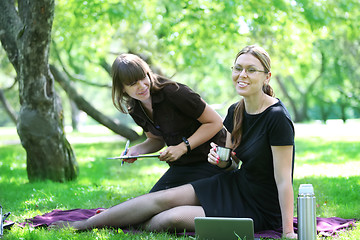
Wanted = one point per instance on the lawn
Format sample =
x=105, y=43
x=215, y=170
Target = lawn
x=328, y=159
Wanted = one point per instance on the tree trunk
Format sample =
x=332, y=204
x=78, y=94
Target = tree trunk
x=297, y=116
x=25, y=35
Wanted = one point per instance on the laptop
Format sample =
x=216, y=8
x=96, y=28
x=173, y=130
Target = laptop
x=221, y=228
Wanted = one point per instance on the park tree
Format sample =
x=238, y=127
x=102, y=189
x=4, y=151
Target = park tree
x=25, y=33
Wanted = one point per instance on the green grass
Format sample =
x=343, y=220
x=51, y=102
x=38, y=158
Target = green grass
x=331, y=164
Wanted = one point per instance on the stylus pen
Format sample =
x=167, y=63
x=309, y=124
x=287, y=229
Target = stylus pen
x=126, y=150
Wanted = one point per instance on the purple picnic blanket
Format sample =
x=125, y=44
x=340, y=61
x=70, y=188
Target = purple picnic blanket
x=325, y=226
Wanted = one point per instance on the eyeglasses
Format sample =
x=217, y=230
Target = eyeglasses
x=249, y=71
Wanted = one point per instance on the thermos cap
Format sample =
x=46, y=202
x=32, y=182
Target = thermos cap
x=306, y=189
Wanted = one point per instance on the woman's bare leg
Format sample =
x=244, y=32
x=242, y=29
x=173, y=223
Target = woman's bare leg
x=137, y=210
x=175, y=219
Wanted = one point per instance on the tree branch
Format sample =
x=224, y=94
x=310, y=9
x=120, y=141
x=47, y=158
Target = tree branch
x=90, y=110
x=322, y=70
x=8, y=108
x=105, y=65
x=10, y=29
x=77, y=78
x=288, y=97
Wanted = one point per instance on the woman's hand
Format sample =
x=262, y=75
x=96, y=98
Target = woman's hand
x=290, y=235
x=131, y=152
x=234, y=157
x=173, y=153
x=153, y=143
x=213, y=158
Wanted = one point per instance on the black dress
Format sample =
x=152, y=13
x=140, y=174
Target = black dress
x=251, y=190
x=176, y=109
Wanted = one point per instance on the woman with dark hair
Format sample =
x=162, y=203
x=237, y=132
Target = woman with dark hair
x=170, y=114
x=262, y=137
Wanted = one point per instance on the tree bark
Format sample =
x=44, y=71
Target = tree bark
x=83, y=105
x=8, y=108
x=25, y=35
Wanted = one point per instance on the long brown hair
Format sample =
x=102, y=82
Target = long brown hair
x=127, y=69
x=265, y=61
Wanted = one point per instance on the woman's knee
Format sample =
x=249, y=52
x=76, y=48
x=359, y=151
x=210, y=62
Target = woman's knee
x=174, y=197
x=177, y=218
x=167, y=220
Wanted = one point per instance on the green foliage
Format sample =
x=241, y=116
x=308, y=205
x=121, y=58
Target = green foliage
x=314, y=47
x=197, y=41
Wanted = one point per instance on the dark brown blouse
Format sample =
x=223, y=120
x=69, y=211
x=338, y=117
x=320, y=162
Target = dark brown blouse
x=175, y=113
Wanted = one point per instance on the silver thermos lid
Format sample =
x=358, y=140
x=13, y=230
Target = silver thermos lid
x=306, y=189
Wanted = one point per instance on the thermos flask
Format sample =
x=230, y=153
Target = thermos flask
x=306, y=204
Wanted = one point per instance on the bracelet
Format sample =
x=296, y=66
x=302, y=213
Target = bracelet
x=187, y=144
x=229, y=163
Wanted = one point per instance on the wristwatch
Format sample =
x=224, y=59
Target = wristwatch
x=187, y=144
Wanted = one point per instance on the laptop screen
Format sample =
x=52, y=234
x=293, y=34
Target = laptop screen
x=220, y=228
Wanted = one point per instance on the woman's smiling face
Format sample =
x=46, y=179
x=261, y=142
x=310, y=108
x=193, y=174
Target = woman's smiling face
x=139, y=90
x=248, y=75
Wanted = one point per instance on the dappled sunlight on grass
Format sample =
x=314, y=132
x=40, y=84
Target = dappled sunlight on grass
x=315, y=150
x=13, y=159
x=155, y=170
x=335, y=196
x=321, y=157
x=331, y=163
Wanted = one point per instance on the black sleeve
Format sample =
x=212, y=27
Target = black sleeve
x=281, y=128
